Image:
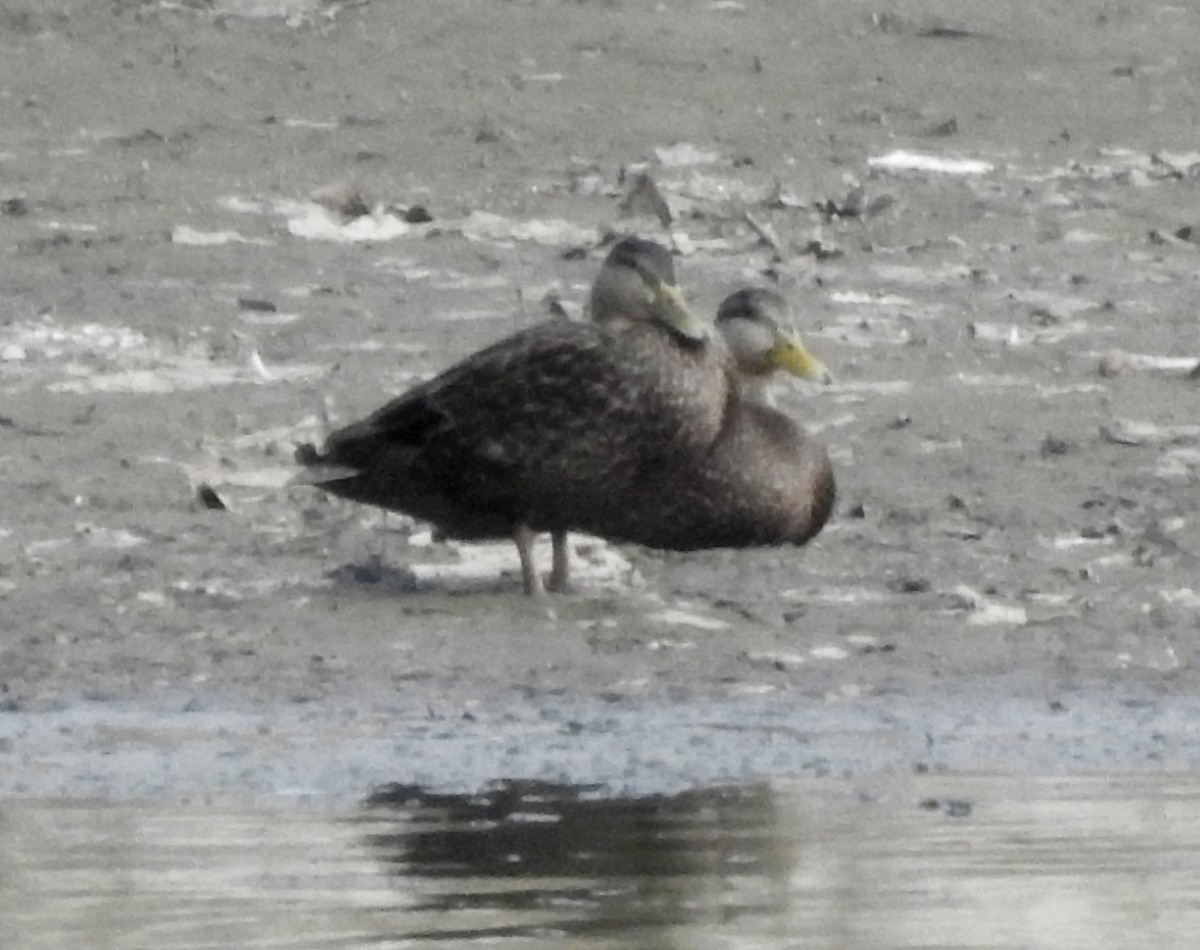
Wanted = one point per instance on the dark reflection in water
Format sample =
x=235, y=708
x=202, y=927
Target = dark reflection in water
x=567, y=860
x=921, y=862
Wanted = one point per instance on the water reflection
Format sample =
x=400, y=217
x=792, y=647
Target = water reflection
x=930, y=862
x=535, y=859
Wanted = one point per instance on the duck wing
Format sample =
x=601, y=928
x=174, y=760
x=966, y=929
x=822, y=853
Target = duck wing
x=541, y=427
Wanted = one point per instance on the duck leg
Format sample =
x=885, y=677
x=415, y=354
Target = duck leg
x=524, y=536
x=559, y=578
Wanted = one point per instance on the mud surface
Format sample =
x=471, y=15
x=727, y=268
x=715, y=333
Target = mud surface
x=1009, y=583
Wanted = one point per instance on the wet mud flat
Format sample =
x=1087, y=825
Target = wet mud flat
x=219, y=227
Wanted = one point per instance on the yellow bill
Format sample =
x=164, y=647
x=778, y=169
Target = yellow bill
x=668, y=300
x=791, y=355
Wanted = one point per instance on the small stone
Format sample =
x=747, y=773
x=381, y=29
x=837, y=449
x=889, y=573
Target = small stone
x=256, y=305
x=209, y=498
x=908, y=585
x=1053, y=445
x=1113, y=365
x=943, y=129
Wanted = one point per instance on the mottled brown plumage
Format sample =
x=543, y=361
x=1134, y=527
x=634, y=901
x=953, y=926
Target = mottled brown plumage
x=557, y=424
x=765, y=481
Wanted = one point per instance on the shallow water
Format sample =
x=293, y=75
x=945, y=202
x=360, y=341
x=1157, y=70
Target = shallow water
x=923, y=862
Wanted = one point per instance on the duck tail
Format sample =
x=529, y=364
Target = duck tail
x=318, y=467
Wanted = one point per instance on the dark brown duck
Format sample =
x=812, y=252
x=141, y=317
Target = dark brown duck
x=550, y=427
x=765, y=481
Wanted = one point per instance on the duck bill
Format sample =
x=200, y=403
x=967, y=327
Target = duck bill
x=792, y=356
x=668, y=300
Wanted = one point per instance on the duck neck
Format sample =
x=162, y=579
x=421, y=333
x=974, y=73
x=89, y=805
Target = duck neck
x=758, y=391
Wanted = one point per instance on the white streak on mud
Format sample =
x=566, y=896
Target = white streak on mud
x=278, y=319
x=230, y=589
x=467, y=315
x=1183, y=597
x=684, y=618
x=52, y=340
x=831, y=594
x=1138, y=432
x=998, y=380
x=1068, y=389
x=660, y=645
x=902, y=160
x=486, y=226
x=1148, y=362
x=96, y=358
x=869, y=387
x=838, y=422
x=369, y=346
x=191, y=237
x=317, y=223
x=440, y=278
x=178, y=374
x=862, y=298
x=326, y=124
x=96, y=536
x=684, y=154
x=987, y=611
x=682, y=195
x=1181, y=463
x=1060, y=306
x=1013, y=334
x=829, y=652
x=293, y=12
x=1068, y=542
x=73, y=227
x=936, y=275
x=219, y=475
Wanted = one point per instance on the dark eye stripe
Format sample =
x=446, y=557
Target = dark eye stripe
x=754, y=304
x=651, y=260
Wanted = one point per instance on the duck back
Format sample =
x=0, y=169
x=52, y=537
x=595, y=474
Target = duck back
x=548, y=428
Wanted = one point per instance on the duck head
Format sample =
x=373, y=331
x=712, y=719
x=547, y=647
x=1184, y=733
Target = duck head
x=637, y=282
x=757, y=327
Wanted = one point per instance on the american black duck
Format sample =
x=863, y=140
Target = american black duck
x=765, y=480
x=553, y=425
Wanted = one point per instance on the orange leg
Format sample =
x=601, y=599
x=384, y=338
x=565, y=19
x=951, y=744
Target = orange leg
x=559, y=579
x=523, y=537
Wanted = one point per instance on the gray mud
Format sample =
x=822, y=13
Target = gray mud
x=1010, y=580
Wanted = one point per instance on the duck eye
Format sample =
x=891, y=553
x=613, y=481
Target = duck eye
x=626, y=255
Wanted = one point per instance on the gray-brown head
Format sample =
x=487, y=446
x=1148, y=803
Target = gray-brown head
x=757, y=327
x=637, y=282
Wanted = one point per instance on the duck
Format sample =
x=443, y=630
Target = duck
x=556, y=425
x=765, y=481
